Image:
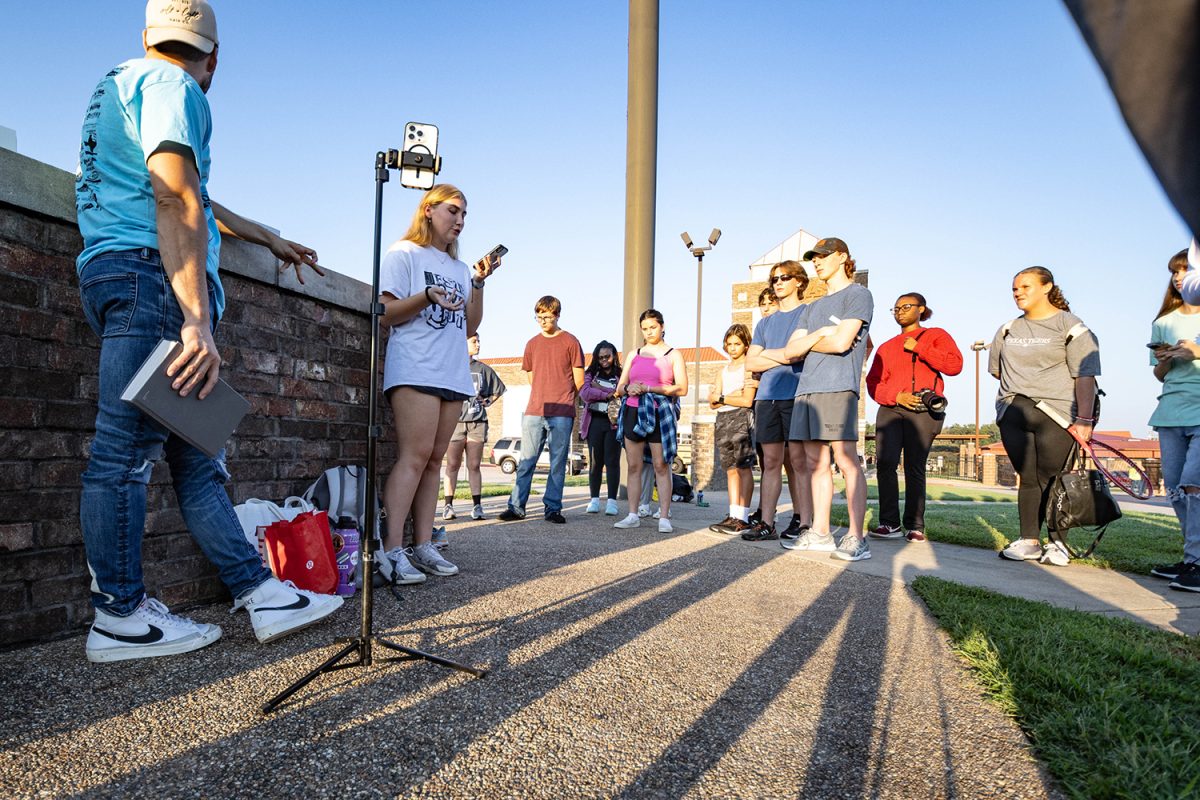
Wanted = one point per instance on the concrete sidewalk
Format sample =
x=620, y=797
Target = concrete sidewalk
x=624, y=663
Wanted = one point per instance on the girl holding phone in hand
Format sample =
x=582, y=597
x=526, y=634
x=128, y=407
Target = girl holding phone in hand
x=432, y=303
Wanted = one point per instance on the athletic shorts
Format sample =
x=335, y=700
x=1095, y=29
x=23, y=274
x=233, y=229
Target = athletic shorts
x=735, y=444
x=470, y=432
x=825, y=417
x=631, y=414
x=448, y=395
x=772, y=421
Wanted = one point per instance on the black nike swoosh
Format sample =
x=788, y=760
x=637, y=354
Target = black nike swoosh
x=149, y=637
x=301, y=602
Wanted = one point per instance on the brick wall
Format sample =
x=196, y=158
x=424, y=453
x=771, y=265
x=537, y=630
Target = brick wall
x=299, y=354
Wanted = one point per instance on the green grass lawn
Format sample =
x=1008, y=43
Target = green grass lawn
x=966, y=492
x=1134, y=543
x=1110, y=706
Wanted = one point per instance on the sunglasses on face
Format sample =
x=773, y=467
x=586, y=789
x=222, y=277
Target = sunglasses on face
x=781, y=278
x=905, y=307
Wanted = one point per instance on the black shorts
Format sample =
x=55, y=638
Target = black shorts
x=448, y=395
x=630, y=418
x=735, y=444
x=772, y=420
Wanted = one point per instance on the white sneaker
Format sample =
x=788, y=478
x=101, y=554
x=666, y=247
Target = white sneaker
x=448, y=513
x=1020, y=550
x=477, y=512
x=1054, y=553
x=610, y=508
x=277, y=609
x=664, y=526
x=631, y=521
x=594, y=506
x=151, y=630
x=644, y=510
x=426, y=558
x=394, y=567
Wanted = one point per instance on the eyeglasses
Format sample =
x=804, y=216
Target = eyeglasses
x=904, y=307
x=781, y=278
x=545, y=317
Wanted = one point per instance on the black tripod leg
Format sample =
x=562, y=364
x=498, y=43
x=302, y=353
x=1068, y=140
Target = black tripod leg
x=330, y=665
x=445, y=662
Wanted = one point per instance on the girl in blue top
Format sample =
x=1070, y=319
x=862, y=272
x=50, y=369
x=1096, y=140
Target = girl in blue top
x=1176, y=360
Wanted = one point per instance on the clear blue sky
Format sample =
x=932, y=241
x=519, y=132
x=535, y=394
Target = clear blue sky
x=949, y=144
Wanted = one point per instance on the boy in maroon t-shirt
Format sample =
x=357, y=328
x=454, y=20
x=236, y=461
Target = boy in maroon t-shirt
x=554, y=360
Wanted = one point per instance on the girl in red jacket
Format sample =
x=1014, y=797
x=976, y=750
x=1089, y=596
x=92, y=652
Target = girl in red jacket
x=905, y=367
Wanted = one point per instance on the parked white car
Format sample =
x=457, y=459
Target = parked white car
x=506, y=454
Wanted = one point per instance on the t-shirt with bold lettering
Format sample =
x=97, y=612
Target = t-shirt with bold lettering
x=552, y=360
x=431, y=348
x=1040, y=359
x=136, y=107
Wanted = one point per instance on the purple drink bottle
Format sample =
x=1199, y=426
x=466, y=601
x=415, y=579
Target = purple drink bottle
x=345, y=547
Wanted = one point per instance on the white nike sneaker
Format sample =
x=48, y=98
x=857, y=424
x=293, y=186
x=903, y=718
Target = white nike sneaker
x=277, y=609
x=150, y=631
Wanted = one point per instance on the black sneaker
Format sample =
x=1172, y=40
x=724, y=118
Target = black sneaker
x=511, y=515
x=761, y=532
x=556, y=518
x=722, y=526
x=1168, y=571
x=1189, y=578
x=794, y=529
x=755, y=517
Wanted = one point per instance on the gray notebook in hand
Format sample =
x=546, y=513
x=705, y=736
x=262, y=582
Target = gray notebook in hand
x=205, y=424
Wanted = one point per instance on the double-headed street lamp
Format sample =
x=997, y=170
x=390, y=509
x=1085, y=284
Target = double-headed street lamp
x=698, y=252
x=978, y=347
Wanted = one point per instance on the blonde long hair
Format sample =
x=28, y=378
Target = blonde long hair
x=420, y=231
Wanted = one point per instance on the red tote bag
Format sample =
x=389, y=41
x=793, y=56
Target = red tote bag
x=301, y=551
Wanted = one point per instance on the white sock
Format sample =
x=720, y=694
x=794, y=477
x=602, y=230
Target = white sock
x=744, y=514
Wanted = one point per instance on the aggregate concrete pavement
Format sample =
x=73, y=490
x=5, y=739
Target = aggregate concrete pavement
x=623, y=664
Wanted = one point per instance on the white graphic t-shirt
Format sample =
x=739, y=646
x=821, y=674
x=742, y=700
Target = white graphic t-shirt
x=431, y=348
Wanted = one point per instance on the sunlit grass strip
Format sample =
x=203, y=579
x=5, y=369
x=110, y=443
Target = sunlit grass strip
x=1112, y=707
x=1134, y=543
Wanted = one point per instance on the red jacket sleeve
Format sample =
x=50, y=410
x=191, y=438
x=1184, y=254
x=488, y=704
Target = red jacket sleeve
x=881, y=379
x=938, y=350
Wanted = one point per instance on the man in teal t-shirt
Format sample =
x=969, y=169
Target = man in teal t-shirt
x=148, y=271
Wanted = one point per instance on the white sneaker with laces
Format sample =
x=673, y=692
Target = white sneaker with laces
x=664, y=526
x=277, y=609
x=1021, y=550
x=611, y=509
x=150, y=631
x=644, y=510
x=426, y=558
x=477, y=511
x=1055, y=554
x=631, y=521
x=394, y=567
x=448, y=513
x=593, y=506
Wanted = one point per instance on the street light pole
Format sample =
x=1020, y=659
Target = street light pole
x=698, y=252
x=978, y=347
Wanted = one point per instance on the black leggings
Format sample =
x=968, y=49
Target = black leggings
x=1038, y=448
x=899, y=430
x=604, y=452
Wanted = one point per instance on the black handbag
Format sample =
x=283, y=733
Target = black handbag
x=1079, y=498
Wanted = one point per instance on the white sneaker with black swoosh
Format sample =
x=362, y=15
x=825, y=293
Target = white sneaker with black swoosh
x=279, y=608
x=151, y=630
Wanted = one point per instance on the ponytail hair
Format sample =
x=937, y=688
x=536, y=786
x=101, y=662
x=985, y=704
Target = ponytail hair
x=1055, y=297
x=920, y=298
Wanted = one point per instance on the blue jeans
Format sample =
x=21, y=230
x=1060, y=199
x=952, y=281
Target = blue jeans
x=129, y=303
x=534, y=431
x=1181, y=467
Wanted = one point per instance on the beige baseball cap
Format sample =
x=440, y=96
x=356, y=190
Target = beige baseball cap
x=189, y=21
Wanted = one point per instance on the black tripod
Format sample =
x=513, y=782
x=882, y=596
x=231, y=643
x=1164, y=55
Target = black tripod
x=362, y=643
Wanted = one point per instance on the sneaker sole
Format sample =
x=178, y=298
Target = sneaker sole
x=379, y=581
x=129, y=652
x=1182, y=588
x=288, y=625
x=434, y=570
x=1019, y=558
x=838, y=554
x=623, y=527
x=1165, y=575
x=820, y=548
x=896, y=535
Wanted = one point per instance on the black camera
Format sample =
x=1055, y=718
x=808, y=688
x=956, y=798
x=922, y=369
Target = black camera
x=932, y=401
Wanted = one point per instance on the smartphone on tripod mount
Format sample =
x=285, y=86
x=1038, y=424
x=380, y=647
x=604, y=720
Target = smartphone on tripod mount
x=421, y=139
